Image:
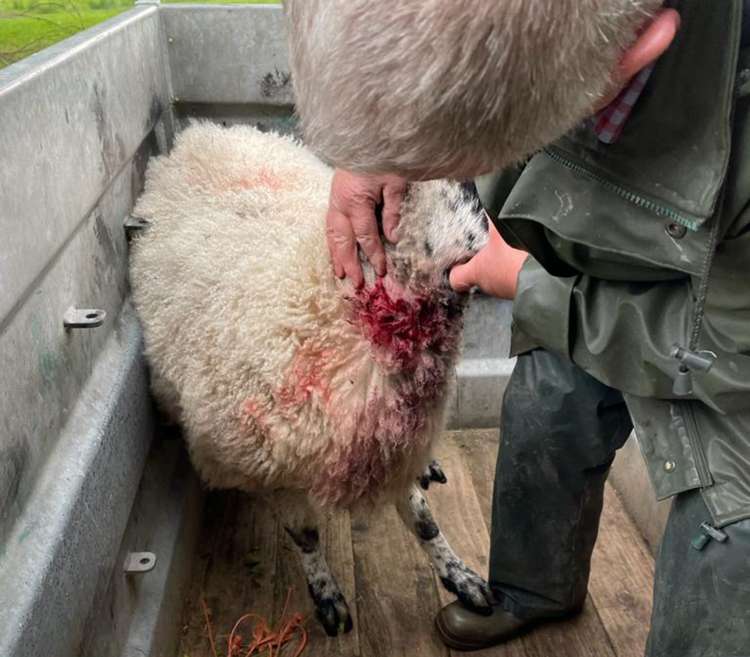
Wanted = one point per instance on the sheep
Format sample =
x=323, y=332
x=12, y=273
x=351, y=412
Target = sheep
x=285, y=379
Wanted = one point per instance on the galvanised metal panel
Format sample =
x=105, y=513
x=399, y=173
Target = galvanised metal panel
x=68, y=534
x=279, y=118
x=43, y=366
x=484, y=369
x=76, y=129
x=70, y=118
x=229, y=54
x=138, y=615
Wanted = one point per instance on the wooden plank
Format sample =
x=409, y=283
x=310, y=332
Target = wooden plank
x=479, y=449
x=234, y=571
x=336, y=540
x=621, y=583
x=468, y=532
x=582, y=636
x=396, y=595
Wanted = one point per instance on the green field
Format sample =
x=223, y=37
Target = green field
x=27, y=26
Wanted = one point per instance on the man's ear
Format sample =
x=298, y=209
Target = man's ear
x=650, y=45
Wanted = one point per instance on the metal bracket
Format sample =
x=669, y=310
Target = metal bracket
x=134, y=225
x=83, y=318
x=139, y=562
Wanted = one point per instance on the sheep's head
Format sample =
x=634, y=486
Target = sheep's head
x=442, y=224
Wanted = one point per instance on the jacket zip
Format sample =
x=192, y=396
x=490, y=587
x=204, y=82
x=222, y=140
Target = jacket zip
x=629, y=195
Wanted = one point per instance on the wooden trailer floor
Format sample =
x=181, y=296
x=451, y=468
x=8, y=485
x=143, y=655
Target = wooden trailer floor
x=246, y=564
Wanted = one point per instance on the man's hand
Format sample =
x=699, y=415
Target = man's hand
x=494, y=269
x=351, y=221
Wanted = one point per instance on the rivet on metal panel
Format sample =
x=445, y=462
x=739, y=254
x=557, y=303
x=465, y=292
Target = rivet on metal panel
x=83, y=318
x=134, y=225
x=139, y=562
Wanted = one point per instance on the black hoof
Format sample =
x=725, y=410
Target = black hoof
x=334, y=616
x=471, y=590
x=437, y=474
x=433, y=473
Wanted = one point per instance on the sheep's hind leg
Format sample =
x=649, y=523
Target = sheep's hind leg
x=330, y=606
x=471, y=589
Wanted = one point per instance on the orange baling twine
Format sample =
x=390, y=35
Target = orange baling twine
x=263, y=637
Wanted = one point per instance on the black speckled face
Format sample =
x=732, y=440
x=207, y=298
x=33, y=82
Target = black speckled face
x=457, y=226
x=470, y=195
x=442, y=224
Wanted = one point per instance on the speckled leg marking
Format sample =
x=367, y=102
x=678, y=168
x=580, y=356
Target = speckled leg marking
x=432, y=473
x=458, y=578
x=330, y=606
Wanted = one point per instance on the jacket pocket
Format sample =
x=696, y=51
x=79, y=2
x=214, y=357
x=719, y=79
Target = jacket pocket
x=600, y=228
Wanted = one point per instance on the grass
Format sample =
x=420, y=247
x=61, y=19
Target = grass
x=27, y=26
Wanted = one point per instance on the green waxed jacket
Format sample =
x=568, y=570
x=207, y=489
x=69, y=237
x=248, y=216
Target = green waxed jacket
x=623, y=238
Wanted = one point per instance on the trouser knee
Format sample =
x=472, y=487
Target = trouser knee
x=560, y=429
x=553, y=408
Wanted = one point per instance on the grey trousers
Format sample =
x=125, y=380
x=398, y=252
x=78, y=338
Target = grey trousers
x=560, y=431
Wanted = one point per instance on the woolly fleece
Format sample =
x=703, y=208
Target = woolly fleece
x=281, y=375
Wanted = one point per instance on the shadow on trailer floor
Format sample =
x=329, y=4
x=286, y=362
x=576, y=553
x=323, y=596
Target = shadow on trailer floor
x=245, y=563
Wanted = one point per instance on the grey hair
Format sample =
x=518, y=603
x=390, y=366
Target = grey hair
x=411, y=86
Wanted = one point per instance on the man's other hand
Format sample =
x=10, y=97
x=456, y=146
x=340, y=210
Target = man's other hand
x=351, y=221
x=494, y=269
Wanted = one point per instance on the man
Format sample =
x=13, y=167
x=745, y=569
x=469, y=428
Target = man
x=631, y=309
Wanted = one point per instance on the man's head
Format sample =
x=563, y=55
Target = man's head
x=432, y=88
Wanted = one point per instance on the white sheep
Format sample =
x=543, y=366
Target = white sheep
x=283, y=377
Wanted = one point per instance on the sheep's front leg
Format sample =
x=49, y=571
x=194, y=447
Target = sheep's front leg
x=330, y=606
x=432, y=473
x=471, y=589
